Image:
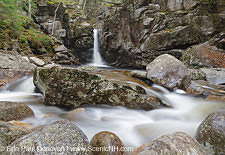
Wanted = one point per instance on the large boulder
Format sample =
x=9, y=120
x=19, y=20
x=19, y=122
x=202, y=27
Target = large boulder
x=106, y=139
x=208, y=54
x=61, y=137
x=167, y=71
x=176, y=143
x=211, y=132
x=14, y=111
x=12, y=60
x=73, y=87
x=11, y=132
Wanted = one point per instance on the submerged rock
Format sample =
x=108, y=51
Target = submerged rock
x=202, y=87
x=11, y=132
x=107, y=140
x=218, y=98
x=73, y=87
x=167, y=71
x=212, y=132
x=176, y=143
x=139, y=74
x=61, y=137
x=14, y=111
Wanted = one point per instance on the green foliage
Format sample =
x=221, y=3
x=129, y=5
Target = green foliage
x=15, y=27
x=11, y=16
x=36, y=40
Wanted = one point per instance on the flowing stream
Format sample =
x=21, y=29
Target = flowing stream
x=134, y=127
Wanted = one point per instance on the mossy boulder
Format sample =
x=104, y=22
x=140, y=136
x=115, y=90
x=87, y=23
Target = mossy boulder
x=14, y=111
x=62, y=136
x=212, y=132
x=106, y=139
x=208, y=54
x=73, y=87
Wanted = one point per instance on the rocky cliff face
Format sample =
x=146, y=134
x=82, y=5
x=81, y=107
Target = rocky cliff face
x=70, y=25
x=138, y=33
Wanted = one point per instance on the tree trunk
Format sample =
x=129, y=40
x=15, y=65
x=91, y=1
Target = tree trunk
x=53, y=23
x=84, y=4
x=80, y=2
x=29, y=10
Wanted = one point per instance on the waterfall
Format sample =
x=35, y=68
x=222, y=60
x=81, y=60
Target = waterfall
x=97, y=59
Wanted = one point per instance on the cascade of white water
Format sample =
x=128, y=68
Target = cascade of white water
x=97, y=59
x=134, y=127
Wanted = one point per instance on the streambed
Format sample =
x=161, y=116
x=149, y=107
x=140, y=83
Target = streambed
x=134, y=127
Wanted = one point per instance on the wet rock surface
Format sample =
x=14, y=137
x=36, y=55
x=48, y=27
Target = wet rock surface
x=64, y=135
x=202, y=87
x=176, y=143
x=73, y=87
x=212, y=132
x=167, y=71
x=11, y=132
x=106, y=139
x=10, y=75
x=139, y=74
x=14, y=111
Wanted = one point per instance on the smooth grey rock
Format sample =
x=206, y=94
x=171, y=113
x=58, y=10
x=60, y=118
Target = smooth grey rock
x=167, y=71
x=12, y=60
x=139, y=12
x=215, y=76
x=37, y=61
x=60, y=48
x=147, y=21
